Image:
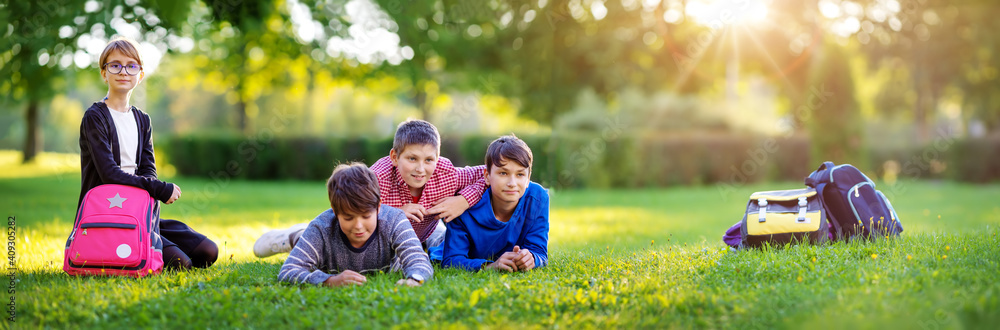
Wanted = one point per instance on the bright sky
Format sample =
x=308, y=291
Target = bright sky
x=726, y=12
x=372, y=38
x=849, y=17
x=152, y=44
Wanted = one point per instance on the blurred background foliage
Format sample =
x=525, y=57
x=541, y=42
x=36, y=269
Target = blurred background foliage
x=616, y=93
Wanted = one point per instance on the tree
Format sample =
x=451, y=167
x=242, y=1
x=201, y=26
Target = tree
x=240, y=28
x=542, y=56
x=40, y=45
x=834, y=117
x=940, y=44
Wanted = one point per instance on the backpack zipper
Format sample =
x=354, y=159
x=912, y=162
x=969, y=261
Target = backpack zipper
x=857, y=193
x=835, y=168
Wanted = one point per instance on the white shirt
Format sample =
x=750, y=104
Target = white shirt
x=128, y=138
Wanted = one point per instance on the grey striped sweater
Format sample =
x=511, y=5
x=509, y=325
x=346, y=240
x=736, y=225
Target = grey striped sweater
x=322, y=251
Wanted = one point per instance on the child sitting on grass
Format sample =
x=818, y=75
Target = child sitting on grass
x=356, y=236
x=116, y=147
x=508, y=230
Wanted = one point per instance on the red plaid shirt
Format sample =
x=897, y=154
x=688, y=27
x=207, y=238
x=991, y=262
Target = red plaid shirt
x=446, y=182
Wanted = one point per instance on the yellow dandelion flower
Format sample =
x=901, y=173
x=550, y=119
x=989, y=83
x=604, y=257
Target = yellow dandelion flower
x=944, y=257
x=799, y=279
x=939, y=216
x=814, y=259
x=874, y=256
x=908, y=257
x=947, y=248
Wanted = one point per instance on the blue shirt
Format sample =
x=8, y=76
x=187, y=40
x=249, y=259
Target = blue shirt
x=477, y=237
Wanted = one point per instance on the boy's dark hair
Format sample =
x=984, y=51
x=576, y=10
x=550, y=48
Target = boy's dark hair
x=511, y=148
x=353, y=188
x=415, y=131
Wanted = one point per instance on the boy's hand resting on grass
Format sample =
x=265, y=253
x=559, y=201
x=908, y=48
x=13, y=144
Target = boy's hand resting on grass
x=408, y=282
x=504, y=263
x=524, y=259
x=414, y=212
x=450, y=208
x=517, y=260
x=348, y=277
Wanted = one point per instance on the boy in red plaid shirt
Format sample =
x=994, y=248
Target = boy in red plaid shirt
x=413, y=178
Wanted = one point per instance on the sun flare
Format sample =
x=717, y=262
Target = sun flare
x=717, y=13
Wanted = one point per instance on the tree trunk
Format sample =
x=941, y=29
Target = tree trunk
x=924, y=105
x=241, y=115
x=241, y=105
x=421, y=100
x=33, y=137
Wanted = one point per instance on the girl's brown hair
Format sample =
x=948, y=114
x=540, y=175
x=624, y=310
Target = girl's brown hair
x=125, y=46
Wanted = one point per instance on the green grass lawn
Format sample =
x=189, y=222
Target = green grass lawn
x=635, y=258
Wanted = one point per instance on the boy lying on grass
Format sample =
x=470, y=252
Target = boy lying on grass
x=508, y=230
x=415, y=178
x=356, y=236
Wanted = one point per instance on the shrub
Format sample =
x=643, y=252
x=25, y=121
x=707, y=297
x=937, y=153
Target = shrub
x=586, y=159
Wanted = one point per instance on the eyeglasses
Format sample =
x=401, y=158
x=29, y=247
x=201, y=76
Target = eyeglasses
x=116, y=68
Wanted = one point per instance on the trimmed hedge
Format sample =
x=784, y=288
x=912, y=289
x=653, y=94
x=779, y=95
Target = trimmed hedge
x=581, y=159
x=268, y=158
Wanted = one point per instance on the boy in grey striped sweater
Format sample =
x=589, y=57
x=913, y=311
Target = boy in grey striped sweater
x=356, y=236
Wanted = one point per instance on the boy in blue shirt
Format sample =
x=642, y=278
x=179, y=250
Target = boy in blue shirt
x=508, y=230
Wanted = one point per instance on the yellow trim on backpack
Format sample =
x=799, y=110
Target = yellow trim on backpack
x=765, y=195
x=781, y=223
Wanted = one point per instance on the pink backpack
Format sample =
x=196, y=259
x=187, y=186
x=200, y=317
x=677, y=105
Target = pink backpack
x=116, y=233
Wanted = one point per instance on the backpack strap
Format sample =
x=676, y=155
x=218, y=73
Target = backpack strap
x=820, y=175
x=836, y=231
x=818, y=179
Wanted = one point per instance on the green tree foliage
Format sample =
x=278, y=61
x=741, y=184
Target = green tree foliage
x=241, y=28
x=834, y=118
x=939, y=44
x=40, y=45
x=542, y=55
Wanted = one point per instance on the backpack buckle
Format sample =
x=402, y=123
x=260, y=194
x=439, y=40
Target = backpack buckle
x=802, y=210
x=762, y=212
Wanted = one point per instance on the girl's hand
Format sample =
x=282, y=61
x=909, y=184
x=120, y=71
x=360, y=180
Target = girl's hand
x=348, y=277
x=175, y=195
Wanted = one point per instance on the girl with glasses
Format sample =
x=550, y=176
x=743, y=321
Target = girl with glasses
x=116, y=147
